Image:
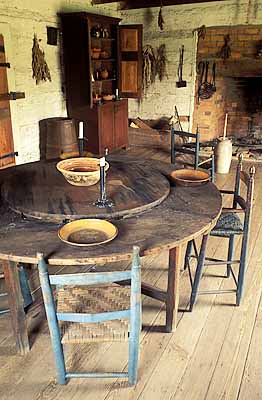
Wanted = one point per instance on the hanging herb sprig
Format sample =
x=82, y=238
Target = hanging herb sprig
x=149, y=67
x=160, y=19
x=161, y=62
x=225, y=51
x=39, y=66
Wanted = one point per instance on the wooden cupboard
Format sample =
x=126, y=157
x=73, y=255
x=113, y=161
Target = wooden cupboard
x=101, y=57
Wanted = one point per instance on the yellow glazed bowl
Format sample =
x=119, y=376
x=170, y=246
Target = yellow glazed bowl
x=81, y=171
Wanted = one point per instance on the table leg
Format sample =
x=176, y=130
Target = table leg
x=16, y=305
x=172, y=299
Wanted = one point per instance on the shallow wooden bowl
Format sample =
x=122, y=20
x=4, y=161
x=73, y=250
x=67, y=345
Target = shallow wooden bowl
x=190, y=177
x=88, y=232
x=108, y=97
x=81, y=171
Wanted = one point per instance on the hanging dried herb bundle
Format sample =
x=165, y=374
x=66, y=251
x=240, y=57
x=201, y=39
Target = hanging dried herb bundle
x=161, y=62
x=149, y=67
x=39, y=66
x=225, y=51
x=160, y=20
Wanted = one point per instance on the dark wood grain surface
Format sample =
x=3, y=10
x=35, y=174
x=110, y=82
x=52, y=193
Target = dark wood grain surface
x=184, y=214
x=39, y=190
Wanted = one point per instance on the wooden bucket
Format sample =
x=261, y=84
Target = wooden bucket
x=59, y=136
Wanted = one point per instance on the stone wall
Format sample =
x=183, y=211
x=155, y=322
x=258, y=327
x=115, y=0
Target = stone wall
x=19, y=20
x=180, y=22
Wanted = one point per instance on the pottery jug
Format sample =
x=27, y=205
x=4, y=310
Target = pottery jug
x=223, y=155
x=104, y=73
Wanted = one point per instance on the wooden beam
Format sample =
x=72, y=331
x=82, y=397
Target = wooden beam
x=133, y=4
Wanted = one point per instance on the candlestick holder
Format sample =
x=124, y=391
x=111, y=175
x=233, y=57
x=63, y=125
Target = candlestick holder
x=103, y=201
x=81, y=146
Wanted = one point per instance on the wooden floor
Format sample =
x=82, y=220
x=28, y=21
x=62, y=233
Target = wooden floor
x=215, y=353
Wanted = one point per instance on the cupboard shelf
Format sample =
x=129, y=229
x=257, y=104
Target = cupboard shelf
x=102, y=59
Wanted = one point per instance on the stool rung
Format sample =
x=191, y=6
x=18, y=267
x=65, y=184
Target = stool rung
x=213, y=261
x=217, y=291
x=97, y=375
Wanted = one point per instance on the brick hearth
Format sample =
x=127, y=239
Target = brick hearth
x=232, y=93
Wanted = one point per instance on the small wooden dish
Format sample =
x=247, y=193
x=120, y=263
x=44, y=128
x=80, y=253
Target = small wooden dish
x=189, y=177
x=87, y=232
x=81, y=171
x=108, y=97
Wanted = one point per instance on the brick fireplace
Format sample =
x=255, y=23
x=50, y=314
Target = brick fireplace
x=238, y=83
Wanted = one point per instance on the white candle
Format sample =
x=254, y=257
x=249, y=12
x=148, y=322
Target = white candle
x=102, y=162
x=225, y=127
x=116, y=92
x=81, y=130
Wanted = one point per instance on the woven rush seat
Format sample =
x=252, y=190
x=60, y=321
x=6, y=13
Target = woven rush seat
x=99, y=299
x=228, y=224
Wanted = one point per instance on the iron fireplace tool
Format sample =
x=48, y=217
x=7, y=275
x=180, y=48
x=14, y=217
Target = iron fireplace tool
x=180, y=82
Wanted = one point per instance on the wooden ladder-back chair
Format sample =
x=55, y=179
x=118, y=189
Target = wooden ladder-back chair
x=192, y=148
x=84, y=313
x=229, y=224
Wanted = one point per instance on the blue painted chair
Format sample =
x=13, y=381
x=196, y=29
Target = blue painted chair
x=87, y=313
x=180, y=145
x=233, y=221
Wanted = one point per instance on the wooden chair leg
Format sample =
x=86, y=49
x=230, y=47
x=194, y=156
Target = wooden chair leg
x=188, y=253
x=52, y=321
x=172, y=299
x=16, y=305
x=172, y=147
x=135, y=319
x=199, y=271
x=242, y=270
x=213, y=168
x=230, y=254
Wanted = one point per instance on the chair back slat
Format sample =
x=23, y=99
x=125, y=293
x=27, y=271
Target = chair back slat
x=93, y=318
x=241, y=201
x=183, y=133
x=90, y=278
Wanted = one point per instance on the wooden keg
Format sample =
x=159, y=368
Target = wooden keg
x=57, y=136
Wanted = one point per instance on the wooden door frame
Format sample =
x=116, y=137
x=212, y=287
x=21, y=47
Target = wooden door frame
x=5, y=31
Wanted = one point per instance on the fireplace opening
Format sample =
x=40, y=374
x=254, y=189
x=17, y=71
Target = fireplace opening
x=244, y=107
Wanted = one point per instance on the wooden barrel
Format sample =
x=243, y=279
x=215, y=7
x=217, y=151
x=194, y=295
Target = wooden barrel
x=57, y=136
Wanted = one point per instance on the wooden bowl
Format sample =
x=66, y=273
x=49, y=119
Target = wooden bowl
x=108, y=97
x=190, y=177
x=81, y=171
x=87, y=232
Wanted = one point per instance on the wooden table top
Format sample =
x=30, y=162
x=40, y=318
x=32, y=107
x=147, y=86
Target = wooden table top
x=41, y=191
x=186, y=213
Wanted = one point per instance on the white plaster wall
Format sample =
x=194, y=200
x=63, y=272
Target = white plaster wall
x=180, y=21
x=19, y=20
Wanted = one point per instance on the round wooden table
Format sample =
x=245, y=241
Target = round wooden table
x=149, y=212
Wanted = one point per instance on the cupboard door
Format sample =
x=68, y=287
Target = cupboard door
x=130, y=60
x=106, y=127
x=121, y=123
